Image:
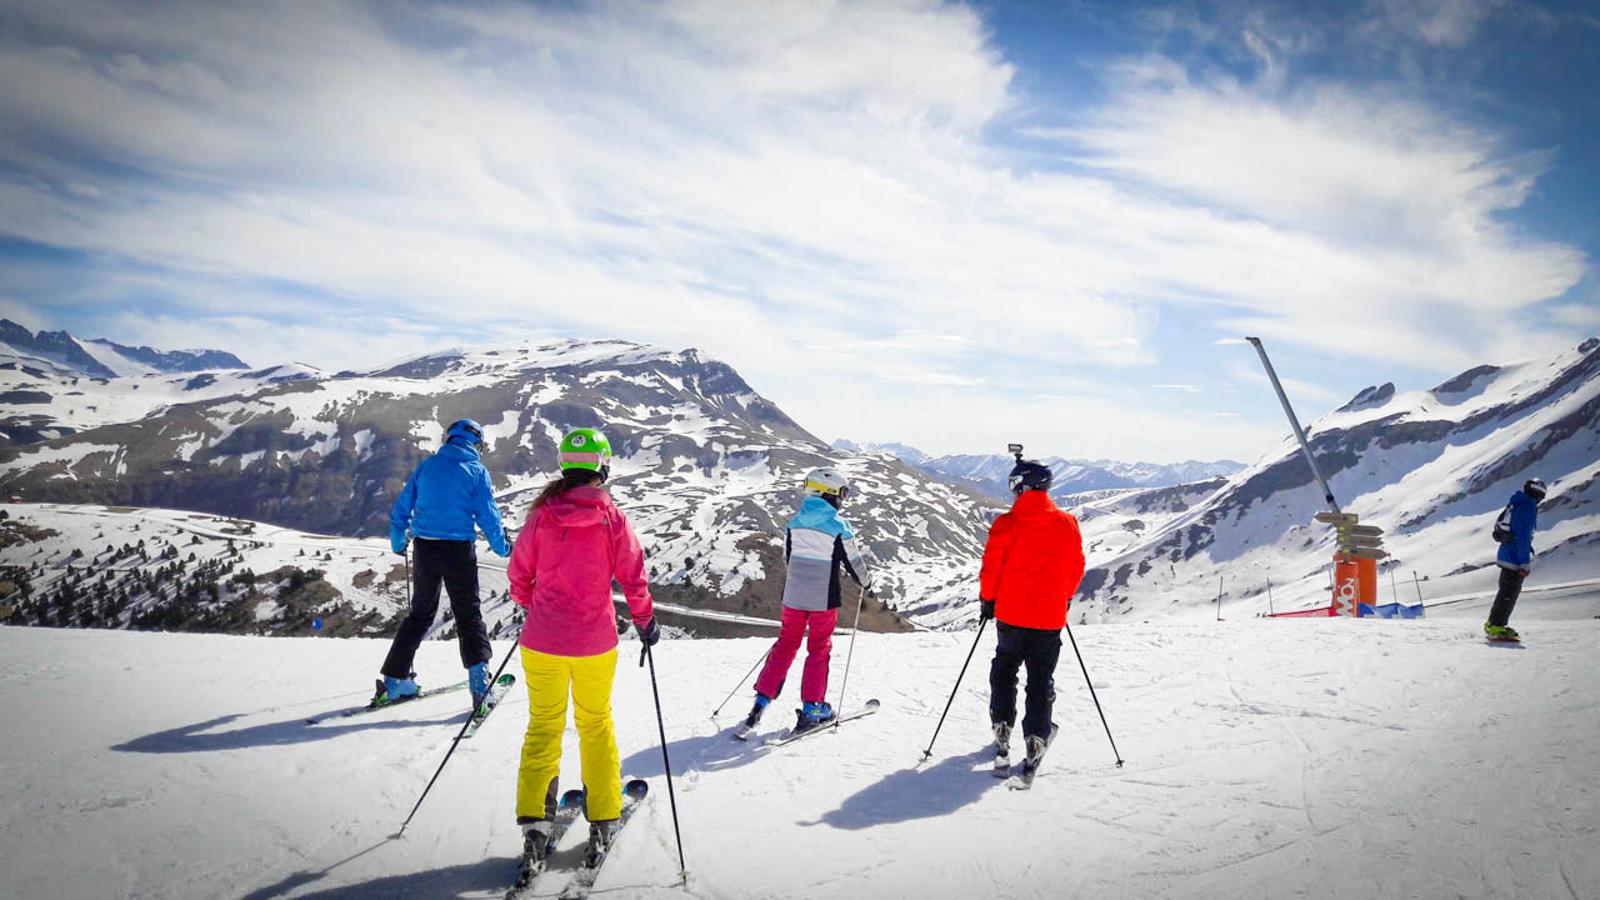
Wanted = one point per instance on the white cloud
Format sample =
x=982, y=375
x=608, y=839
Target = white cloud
x=820, y=194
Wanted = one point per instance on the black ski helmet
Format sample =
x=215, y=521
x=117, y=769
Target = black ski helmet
x=1534, y=487
x=1028, y=475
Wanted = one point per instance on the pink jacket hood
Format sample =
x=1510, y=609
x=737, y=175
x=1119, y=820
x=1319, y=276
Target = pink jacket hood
x=570, y=550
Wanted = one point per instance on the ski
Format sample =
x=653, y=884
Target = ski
x=528, y=872
x=633, y=794
x=1023, y=780
x=791, y=736
x=497, y=692
x=381, y=701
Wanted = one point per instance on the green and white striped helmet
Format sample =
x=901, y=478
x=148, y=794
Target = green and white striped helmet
x=586, y=449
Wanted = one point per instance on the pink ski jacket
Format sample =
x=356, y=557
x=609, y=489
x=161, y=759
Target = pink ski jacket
x=561, y=570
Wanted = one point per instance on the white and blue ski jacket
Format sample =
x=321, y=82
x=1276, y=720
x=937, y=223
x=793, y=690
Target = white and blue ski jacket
x=816, y=543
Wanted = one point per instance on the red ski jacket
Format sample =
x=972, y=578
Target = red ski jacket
x=1032, y=563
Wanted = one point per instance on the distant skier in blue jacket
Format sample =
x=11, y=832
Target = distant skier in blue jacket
x=1514, y=530
x=446, y=496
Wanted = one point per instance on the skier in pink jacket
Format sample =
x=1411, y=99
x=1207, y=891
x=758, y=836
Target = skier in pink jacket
x=574, y=543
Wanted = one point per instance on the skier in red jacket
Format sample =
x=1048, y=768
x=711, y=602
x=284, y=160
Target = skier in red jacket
x=1031, y=566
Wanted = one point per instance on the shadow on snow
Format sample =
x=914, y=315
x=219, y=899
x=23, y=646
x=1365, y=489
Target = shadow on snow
x=201, y=737
x=489, y=875
x=917, y=793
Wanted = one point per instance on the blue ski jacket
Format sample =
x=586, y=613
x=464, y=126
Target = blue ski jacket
x=444, y=497
x=1524, y=518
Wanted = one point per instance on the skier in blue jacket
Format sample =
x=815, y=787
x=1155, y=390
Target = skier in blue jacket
x=447, y=495
x=1514, y=530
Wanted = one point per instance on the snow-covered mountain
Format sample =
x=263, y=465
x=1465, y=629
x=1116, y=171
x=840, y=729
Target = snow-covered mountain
x=706, y=468
x=64, y=354
x=903, y=452
x=1432, y=468
x=988, y=472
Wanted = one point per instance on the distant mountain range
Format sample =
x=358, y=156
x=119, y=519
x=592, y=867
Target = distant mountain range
x=988, y=472
x=62, y=353
x=709, y=470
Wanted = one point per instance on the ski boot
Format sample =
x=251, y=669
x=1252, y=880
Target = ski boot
x=1501, y=633
x=1030, y=764
x=1002, y=749
x=396, y=690
x=535, y=851
x=600, y=836
x=813, y=714
x=750, y=721
x=478, y=684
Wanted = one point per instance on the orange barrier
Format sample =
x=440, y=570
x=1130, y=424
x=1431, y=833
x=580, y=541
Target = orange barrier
x=1347, y=593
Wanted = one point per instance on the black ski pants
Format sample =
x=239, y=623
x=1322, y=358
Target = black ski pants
x=1505, y=600
x=452, y=565
x=1038, y=649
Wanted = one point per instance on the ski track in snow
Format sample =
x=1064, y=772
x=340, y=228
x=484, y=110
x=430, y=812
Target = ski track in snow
x=1314, y=758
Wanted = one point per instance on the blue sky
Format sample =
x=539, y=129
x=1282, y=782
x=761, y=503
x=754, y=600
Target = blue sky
x=949, y=225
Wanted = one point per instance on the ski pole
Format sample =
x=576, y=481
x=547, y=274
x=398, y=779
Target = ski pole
x=741, y=683
x=1092, y=695
x=982, y=623
x=666, y=763
x=861, y=597
x=453, y=744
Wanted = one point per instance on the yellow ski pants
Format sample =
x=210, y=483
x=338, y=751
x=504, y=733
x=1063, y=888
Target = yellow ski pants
x=589, y=679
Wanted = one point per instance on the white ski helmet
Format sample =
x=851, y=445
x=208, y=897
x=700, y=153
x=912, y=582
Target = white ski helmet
x=827, y=484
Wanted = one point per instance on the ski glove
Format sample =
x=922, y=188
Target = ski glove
x=985, y=609
x=650, y=633
x=503, y=550
x=398, y=545
x=1523, y=571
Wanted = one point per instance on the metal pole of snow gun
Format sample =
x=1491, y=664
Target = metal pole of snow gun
x=1299, y=433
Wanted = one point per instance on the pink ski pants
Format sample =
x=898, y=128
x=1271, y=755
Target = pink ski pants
x=819, y=645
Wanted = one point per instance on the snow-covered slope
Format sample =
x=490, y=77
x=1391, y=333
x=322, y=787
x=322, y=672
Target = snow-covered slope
x=1432, y=468
x=708, y=469
x=40, y=403
x=1339, y=759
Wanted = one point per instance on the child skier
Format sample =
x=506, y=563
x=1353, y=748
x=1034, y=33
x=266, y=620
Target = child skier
x=816, y=543
x=574, y=543
x=1032, y=564
x=1514, y=530
x=447, y=494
